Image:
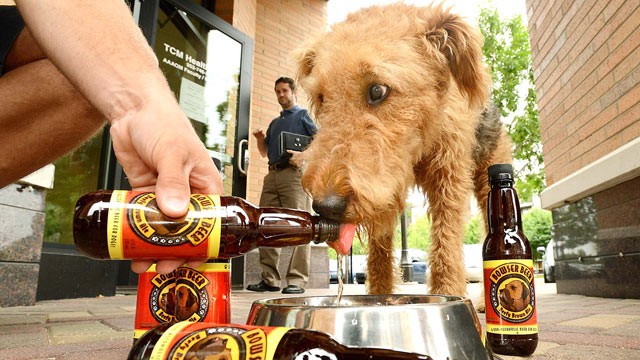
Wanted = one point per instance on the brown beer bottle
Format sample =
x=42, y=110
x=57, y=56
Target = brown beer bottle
x=186, y=340
x=128, y=225
x=511, y=320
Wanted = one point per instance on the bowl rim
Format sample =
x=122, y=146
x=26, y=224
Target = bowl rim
x=298, y=302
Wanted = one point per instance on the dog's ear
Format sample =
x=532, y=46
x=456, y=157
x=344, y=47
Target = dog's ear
x=525, y=291
x=461, y=45
x=304, y=60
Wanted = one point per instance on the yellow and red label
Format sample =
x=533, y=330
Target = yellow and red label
x=196, y=295
x=510, y=297
x=137, y=229
x=186, y=340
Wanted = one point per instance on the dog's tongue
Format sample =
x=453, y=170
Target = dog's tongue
x=345, y=239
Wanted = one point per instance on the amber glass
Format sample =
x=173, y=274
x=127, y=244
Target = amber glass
x=295, y=344
x=506, y=241
x=243, y=227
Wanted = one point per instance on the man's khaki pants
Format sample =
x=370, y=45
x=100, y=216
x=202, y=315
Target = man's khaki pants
x=282, y=188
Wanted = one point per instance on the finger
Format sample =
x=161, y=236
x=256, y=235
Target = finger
x=172, y=188
x=167, y=266
x=194, y=263
x=205, y=178
x=140, y=266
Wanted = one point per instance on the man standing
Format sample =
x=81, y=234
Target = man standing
x=282, y=188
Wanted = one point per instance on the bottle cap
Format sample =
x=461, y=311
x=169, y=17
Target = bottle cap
x=500, y=172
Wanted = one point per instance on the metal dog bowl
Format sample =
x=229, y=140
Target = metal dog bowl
x=443, y=327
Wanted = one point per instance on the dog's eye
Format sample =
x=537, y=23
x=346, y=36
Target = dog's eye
x=377, y=93
x=320, y=99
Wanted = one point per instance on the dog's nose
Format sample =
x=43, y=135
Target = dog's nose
x=332, y=207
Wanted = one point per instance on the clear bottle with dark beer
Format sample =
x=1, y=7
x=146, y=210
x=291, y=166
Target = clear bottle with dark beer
x=129, y=225
x=185, y=340
x=510, y=298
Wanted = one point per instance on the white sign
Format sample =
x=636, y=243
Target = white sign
x=192, y=100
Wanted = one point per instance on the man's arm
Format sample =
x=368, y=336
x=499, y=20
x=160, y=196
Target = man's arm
x=98, y=47
x=100, y=38
x=260, y=140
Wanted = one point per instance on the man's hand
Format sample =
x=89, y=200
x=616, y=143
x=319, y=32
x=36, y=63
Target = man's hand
x=259, y=134
x=262, y=144
x=159, y=151
x=297, y=158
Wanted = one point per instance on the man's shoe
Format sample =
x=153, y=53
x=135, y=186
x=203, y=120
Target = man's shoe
x=293, y=289
x=262, y=287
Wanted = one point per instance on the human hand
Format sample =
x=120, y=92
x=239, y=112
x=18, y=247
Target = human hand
x=259, y=134
x=297, y=158
x=159, y=151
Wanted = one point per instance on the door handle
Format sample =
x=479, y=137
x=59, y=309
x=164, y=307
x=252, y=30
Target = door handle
x=242, y=159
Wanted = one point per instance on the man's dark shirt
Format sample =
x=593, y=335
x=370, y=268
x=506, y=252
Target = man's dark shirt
x=11, y=25
x=295, y=120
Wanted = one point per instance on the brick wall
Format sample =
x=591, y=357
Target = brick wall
x=280, y=26
x=586, y=58
x=244, y=16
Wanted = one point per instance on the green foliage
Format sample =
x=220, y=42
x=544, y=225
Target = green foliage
x=474, y=230
x=419, y=234
x=536, y=224
x=76, y=174
x=508, y=54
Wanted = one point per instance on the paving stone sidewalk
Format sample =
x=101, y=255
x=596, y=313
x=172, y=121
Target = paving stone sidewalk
x=571, y=327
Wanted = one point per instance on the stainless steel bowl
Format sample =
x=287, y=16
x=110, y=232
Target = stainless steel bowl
x=443, y=327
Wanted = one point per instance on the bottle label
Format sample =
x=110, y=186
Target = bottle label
x=200, y=294
x=510, y=297
x=136, y=227
x=186, y=340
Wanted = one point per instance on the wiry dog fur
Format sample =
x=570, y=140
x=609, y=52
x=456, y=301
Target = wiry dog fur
x=430, y=130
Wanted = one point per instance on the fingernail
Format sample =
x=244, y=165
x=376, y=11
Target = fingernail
x=176, y=204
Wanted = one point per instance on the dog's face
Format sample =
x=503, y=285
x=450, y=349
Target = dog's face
x=186, y=302
x=381, y=86
x=515, y=296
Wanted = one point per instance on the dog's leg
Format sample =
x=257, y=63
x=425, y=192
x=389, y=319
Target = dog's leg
x=448, y=190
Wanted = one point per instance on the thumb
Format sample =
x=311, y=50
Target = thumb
x=172, y=190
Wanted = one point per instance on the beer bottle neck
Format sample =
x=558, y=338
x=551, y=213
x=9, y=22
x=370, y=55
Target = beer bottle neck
x=503, y=208
x=294, y=226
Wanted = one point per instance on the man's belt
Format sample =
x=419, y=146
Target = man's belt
x=279, y=166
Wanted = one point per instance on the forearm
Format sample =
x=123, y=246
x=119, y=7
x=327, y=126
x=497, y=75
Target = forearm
x=262, y=148
x=99, y=48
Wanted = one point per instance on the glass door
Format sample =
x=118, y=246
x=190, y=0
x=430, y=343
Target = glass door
x=207, y=64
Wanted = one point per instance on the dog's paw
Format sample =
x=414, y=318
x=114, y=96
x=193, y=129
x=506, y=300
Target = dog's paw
x=480, y=307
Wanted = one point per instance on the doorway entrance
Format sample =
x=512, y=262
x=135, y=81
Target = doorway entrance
x=207, y=64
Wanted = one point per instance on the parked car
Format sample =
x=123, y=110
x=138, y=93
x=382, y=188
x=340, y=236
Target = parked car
x=417, y=258
x=419, y=273
x=473, y=266
x=333, y=271
x=358, y=266
x=548, y=262
x=361, y=277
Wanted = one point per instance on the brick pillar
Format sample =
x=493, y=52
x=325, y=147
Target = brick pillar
x=21, y=232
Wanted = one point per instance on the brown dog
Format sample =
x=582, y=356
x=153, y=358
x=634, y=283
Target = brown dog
x=399, y=93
